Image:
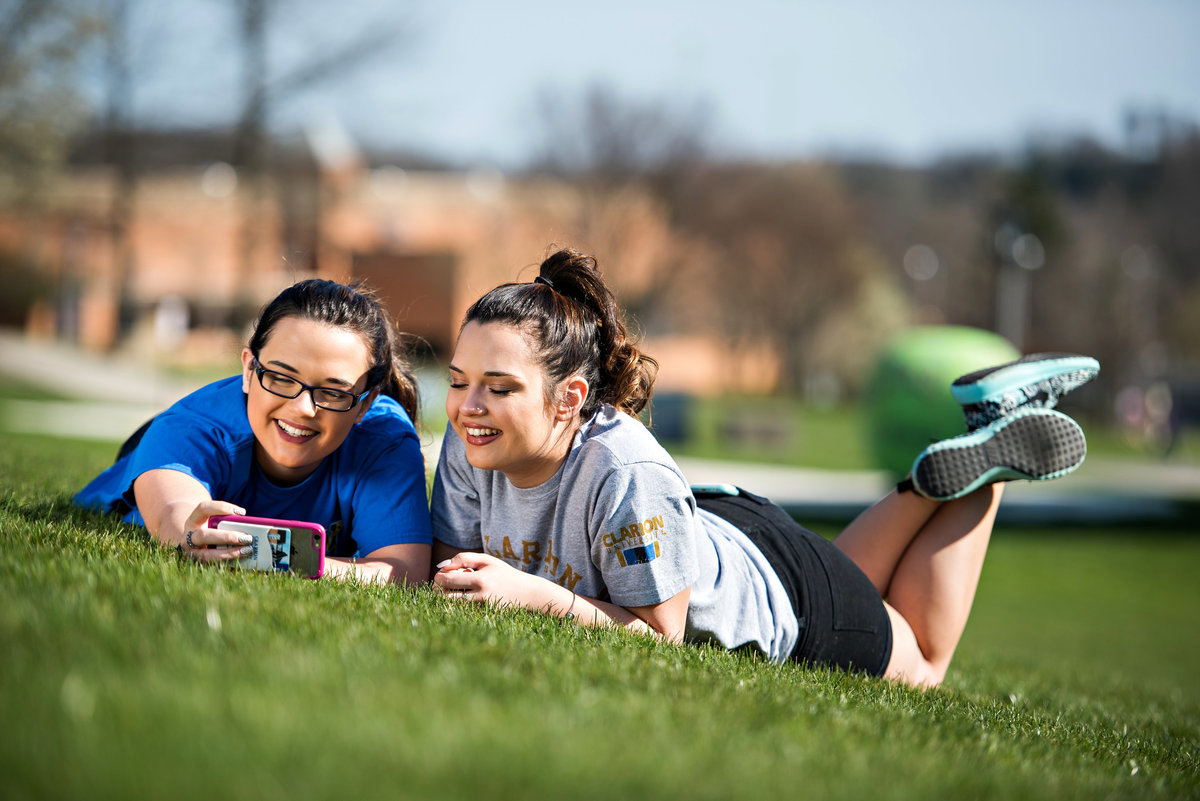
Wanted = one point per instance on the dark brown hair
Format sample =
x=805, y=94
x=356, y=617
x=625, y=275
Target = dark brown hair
x=576, y=328
x=355, y=308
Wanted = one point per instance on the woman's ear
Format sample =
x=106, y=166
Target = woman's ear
x=574, y=393
x=247, y=369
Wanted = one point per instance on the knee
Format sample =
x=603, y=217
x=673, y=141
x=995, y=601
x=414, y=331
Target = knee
x=919, y=673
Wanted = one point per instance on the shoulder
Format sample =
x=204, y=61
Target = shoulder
x=615, y=441
x=387, y=414
x=205, y=434
x=220, y=405
x=625, y=437
x=385, y=425
x=223, y=390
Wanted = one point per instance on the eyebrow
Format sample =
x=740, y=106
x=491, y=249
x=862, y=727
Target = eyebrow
x=291, y=369
x=488, y=373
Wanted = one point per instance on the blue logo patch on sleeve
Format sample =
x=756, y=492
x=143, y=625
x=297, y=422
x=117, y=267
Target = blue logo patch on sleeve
x=639, y=555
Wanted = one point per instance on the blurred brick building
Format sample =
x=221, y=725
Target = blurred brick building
x=203, y=250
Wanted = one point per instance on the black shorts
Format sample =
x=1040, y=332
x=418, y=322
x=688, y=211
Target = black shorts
x=843, y=622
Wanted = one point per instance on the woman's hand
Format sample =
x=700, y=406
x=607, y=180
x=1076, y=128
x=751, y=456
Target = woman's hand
x=206, y=544
x=480, y=577
x=176, y=508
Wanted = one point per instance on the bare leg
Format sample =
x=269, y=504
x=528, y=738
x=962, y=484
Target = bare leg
x=925, y=558
x=878, y=538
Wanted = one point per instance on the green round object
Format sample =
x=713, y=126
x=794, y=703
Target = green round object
x=908, y=401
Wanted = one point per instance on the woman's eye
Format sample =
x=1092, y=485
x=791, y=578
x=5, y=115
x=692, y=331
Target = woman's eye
x=457, y=385
x=501, y=390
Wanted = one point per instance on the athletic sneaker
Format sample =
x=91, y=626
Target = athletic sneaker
x=1037, y=380
x=1033, y=444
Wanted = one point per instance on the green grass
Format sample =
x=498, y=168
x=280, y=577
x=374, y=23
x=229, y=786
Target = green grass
x=128, y=673
x=13, y=388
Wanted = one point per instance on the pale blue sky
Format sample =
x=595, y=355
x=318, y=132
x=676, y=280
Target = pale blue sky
x=907, y=80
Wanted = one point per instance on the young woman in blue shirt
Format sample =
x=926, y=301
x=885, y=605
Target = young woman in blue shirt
x=319, y=426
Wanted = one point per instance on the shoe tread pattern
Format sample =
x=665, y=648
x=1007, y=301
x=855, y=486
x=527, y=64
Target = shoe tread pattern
x=1031, y=446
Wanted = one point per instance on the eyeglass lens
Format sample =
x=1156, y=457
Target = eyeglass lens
x=287, y=387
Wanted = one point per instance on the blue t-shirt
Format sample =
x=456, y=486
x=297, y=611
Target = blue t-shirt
x=368, y=494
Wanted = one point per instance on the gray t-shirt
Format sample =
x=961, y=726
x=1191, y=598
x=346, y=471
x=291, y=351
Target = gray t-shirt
x=618, y=522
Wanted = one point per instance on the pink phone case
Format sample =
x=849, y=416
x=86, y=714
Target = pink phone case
x=312, y=560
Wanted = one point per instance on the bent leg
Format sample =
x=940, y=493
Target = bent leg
x=907, y=663
x=925, y=558
x=877, y=539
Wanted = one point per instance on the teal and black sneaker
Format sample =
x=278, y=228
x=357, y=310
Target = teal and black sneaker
x=1033, y=444
x=1037, y=380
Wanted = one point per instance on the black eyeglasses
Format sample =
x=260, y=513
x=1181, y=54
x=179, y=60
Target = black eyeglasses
x=335, y=400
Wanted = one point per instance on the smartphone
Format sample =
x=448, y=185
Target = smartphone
x=291, y=546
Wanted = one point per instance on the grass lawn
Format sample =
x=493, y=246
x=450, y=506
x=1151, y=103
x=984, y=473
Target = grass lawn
x=128, y=673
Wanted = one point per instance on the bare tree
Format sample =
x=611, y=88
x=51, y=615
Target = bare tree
x=787, y=261
x=120, y=151
x=40, y=43
x=628, y=160
x=261, y=90
x=610, y=140
x=759, y=254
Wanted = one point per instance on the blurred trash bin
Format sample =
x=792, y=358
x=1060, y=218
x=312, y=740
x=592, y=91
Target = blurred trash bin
x=669, y=416
x=907, y=400
x=759, y=431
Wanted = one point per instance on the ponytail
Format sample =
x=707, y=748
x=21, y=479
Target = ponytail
x=355, y=308
x=577, y=328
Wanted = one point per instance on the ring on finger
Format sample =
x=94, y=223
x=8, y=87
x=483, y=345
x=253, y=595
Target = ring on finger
x=189, y=540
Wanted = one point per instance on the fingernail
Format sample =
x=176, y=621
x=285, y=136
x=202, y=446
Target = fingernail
x=246, y=539
x=442, y=563
x=246, y=551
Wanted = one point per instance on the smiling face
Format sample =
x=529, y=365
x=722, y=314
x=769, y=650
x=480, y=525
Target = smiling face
x=292, y=436
x=497, y=404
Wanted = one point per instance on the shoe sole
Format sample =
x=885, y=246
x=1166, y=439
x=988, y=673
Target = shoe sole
x=994, y=383
x=1034, y=445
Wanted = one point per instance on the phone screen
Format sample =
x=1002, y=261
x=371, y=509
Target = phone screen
x=294, y=549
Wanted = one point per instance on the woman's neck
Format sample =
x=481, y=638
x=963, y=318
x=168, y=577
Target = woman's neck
x=539, y=469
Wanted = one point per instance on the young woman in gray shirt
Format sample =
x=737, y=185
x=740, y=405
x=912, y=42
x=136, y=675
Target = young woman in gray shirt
x=552, y=495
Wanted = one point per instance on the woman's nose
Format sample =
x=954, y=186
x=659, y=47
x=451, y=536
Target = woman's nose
x=472, y=403
x=304, y=403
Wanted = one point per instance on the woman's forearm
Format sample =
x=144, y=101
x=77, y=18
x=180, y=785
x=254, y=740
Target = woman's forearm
x=403, y=565
x=556, y=600
x=480, y=577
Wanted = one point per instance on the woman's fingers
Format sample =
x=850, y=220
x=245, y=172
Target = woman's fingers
x=219, y=553
x=221, y=536
x=207, y=509
x=474, y=576
x=214, y=544
x=457, y=582
x=471, y=560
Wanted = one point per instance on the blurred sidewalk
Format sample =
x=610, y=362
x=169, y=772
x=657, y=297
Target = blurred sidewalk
x=103, y=397
x=1101, y=491
x=106, y=398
